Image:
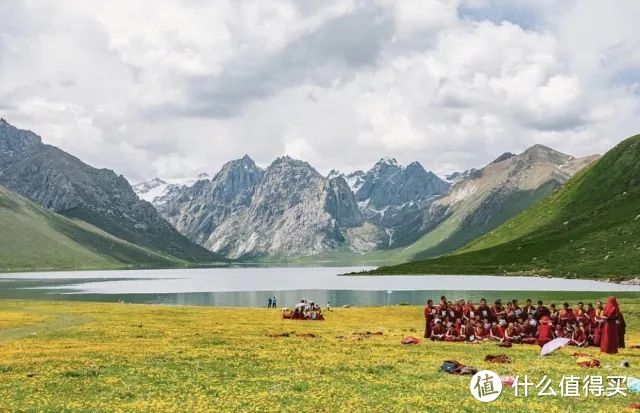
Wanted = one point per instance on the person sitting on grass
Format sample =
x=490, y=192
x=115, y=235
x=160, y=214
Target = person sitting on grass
x=496, y=332
x=438, y=332
x=452, y=334
x=579, y=336
x=512, y=333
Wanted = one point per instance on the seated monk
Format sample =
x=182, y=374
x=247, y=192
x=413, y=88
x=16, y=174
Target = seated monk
x=452, y=334
x=287, y=314
x=512, y=334
x=479, y=331
x=438, y=332
x=579, y=336
x=529, y=330
x=545, y=332
x=496, y=332
x=298, y=314
x=486, y=328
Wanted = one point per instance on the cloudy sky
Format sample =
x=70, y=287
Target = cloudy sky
x=171, y=88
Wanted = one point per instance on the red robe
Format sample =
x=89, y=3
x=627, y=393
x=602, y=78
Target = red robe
x=428, y=317
x=609, y=337
x=545, y=334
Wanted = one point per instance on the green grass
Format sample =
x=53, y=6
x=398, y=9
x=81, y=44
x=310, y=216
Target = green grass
x=35, y=238
x=590, y=227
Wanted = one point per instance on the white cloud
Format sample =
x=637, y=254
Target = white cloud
x=182, y=87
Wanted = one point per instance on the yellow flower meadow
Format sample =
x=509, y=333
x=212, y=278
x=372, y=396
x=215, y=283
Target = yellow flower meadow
x=67, y=357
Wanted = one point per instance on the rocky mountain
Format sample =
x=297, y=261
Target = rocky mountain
x=393, y=197
x=290, y=210
x=492, y=195
x=197, y=210
x=62, y=183
x=293, y=211
x=588, y=228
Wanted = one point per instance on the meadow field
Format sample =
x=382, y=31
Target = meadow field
x=96, y=357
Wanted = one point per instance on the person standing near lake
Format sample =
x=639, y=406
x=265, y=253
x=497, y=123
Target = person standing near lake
x=274, y=302
x=429, y=312
x=610, y=316
x=269, y=303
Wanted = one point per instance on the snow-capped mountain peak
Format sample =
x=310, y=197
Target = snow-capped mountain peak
x=158, y=187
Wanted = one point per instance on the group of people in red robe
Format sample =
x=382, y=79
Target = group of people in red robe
x=463, y=321
x=304, y=310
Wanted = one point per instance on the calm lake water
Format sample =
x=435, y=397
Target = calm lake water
x=251, y=287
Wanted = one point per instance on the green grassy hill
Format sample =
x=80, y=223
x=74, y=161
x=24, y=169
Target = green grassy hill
x=32, y=237
x=590, y=227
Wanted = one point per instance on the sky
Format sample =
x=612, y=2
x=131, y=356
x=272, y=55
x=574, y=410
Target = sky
x=172, y=88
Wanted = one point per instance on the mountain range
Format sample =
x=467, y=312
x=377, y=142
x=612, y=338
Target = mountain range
x=289, y=211
x=284, y=211
x=590, y=227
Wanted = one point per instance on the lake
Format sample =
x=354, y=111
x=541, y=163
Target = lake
x=251, y=287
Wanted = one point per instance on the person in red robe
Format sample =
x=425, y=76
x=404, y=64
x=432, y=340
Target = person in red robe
x=609, y=337
x=438, y=332
x=579, y=336
x=479, y=331
x=567, y=316
x=591, y=312
x=512, y=334
x=622, y=330
x=469, y=311
x=496, y=332
x=545, y=332
x=452, y=334
x=429, y=314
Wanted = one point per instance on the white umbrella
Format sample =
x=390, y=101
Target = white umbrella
x=553, y=345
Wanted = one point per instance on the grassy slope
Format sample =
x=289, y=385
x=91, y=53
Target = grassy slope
x=117, y=357
x=590, y=227
x=35, y=238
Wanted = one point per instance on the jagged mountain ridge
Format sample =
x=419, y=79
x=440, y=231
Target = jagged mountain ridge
x=245, y=211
